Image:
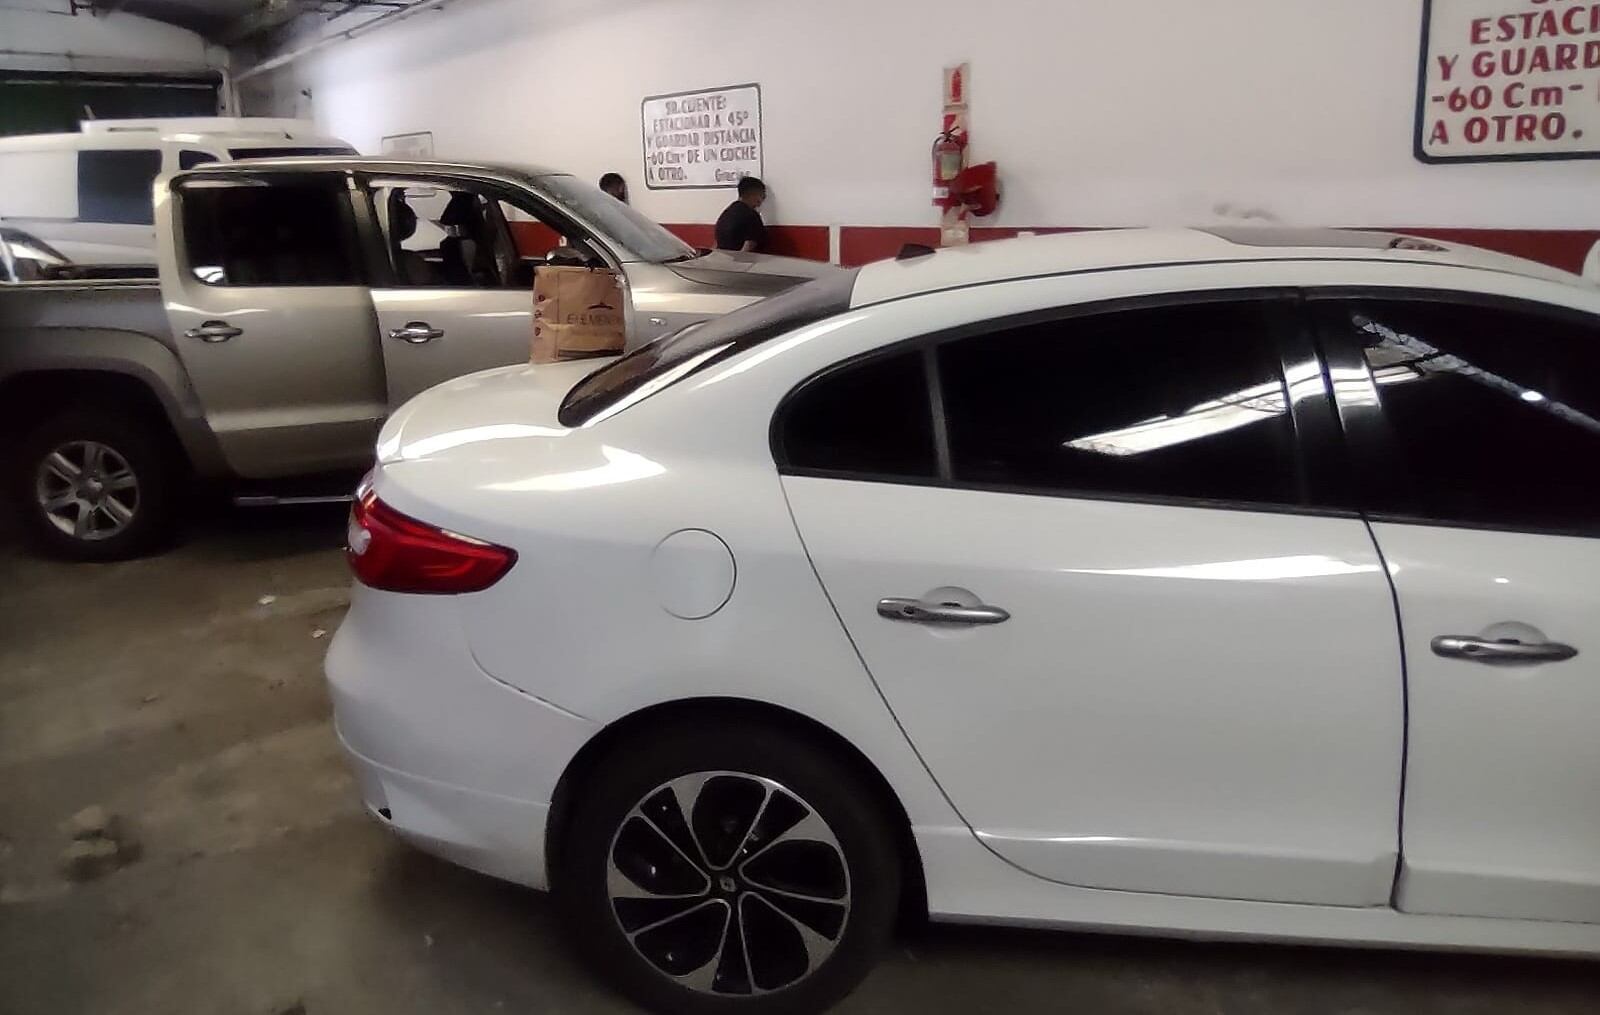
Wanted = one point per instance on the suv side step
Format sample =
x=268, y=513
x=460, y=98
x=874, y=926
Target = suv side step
x=324, y=488
x=272, y=500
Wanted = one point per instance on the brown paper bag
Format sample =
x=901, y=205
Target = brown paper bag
x=577, y=312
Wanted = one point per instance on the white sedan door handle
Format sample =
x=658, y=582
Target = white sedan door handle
x=922, y=612
x=1505, y=652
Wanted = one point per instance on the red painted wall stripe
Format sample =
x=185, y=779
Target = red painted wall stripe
x=1560, y=248
x=810, y=242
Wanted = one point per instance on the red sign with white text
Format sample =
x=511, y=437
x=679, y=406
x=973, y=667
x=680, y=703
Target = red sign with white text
x=1509, y=79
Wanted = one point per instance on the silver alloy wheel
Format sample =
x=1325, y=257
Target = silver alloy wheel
x=728, y=883
x=87, y=490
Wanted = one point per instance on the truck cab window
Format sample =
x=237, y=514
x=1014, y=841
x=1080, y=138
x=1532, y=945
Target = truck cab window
x=288, y=234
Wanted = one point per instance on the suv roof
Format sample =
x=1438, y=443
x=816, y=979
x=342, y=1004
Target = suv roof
x=1098, y=250
x=227, y=131
x=377, y=164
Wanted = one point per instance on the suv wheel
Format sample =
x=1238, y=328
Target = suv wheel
x=730, y=870
x=89, y=485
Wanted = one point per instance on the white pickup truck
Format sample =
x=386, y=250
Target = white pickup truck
x=298, y=301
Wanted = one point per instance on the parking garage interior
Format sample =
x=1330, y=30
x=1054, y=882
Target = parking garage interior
x=189, y=525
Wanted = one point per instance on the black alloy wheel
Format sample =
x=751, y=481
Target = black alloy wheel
x=749, y=872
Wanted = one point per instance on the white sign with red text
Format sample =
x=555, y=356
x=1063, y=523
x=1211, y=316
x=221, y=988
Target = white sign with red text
x=1509, y=79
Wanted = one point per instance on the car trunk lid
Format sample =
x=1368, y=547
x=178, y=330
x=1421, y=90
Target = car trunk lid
x=494, y=405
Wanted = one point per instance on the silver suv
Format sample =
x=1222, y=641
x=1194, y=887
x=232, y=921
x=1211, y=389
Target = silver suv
x=298, y=302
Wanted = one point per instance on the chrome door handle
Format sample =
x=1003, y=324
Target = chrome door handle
x=1484, y=650
x=922, y=612
x=214, y=331
x=416, y=332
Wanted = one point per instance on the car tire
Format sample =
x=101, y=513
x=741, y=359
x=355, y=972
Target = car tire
x=810, y=888
x=93, y=485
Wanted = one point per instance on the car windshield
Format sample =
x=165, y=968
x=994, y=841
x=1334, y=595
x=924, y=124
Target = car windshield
x=641, y=239
x=674, y=356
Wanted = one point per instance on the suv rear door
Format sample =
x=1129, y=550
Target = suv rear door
x=438, y=315
x=265, y=294
x=1476, y=420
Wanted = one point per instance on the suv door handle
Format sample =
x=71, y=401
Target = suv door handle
x=416, y=332
x=921, y=612
x=1513, y=653
x=214, y=331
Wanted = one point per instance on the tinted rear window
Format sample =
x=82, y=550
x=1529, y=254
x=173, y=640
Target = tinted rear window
x=672, y=357
x=292, y=233
x=114, y=185
x=282, y=153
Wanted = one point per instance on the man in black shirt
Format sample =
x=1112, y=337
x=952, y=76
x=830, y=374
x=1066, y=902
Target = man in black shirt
x=739, y=227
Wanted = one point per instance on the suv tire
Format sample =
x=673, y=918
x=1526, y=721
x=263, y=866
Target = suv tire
x=92, y=485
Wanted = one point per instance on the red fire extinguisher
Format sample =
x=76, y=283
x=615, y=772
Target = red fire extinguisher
x=949, y=155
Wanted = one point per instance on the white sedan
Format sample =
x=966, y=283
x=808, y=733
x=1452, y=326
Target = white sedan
x=1218, y=582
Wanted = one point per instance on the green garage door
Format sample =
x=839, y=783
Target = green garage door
x=36, y=102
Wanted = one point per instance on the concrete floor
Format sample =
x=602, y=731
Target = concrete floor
x=166, y=690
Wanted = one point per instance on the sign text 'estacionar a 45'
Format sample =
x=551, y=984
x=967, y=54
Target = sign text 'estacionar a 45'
x=706, y=138
x=1509, y=79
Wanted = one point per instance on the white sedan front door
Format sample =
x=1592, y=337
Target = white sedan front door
x=1481, y=427
x=1079, y=567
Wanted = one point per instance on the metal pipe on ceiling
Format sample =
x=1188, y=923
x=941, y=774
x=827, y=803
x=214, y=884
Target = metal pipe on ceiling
x=388, y=18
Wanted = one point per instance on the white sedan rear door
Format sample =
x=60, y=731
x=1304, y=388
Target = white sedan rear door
x=1074, y=553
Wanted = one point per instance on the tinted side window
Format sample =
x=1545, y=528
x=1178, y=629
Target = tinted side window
x=870, y=418
x=1495, y=412
x=189, y=158
x=283, y=234
x=114, y=186
x=1183, y=401
x=458, y=237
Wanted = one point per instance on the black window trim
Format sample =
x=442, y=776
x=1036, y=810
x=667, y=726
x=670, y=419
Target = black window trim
x=206, y=158
x=834, y=291
x=350, y=215
x=1373, y=449
x=1311, y=414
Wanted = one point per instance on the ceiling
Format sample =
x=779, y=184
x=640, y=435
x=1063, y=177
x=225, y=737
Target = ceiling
x=230, y=22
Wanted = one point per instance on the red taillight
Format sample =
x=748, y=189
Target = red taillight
x=390, y=551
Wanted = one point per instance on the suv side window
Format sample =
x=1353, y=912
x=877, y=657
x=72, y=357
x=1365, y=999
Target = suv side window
x=868, y=419
x=1182, y=401
x=1494, y=411
x=457, y=236
x=284, y=234
x=114, y=185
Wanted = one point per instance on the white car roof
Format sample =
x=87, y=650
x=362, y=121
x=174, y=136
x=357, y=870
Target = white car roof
x=1099, y=250
x=209, y=132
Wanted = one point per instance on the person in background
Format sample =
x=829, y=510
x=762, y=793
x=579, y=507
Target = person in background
x=739, y=227
x=615, y=185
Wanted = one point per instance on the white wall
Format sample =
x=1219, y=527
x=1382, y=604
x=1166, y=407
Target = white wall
x=1099, y=113
x=44, y=35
